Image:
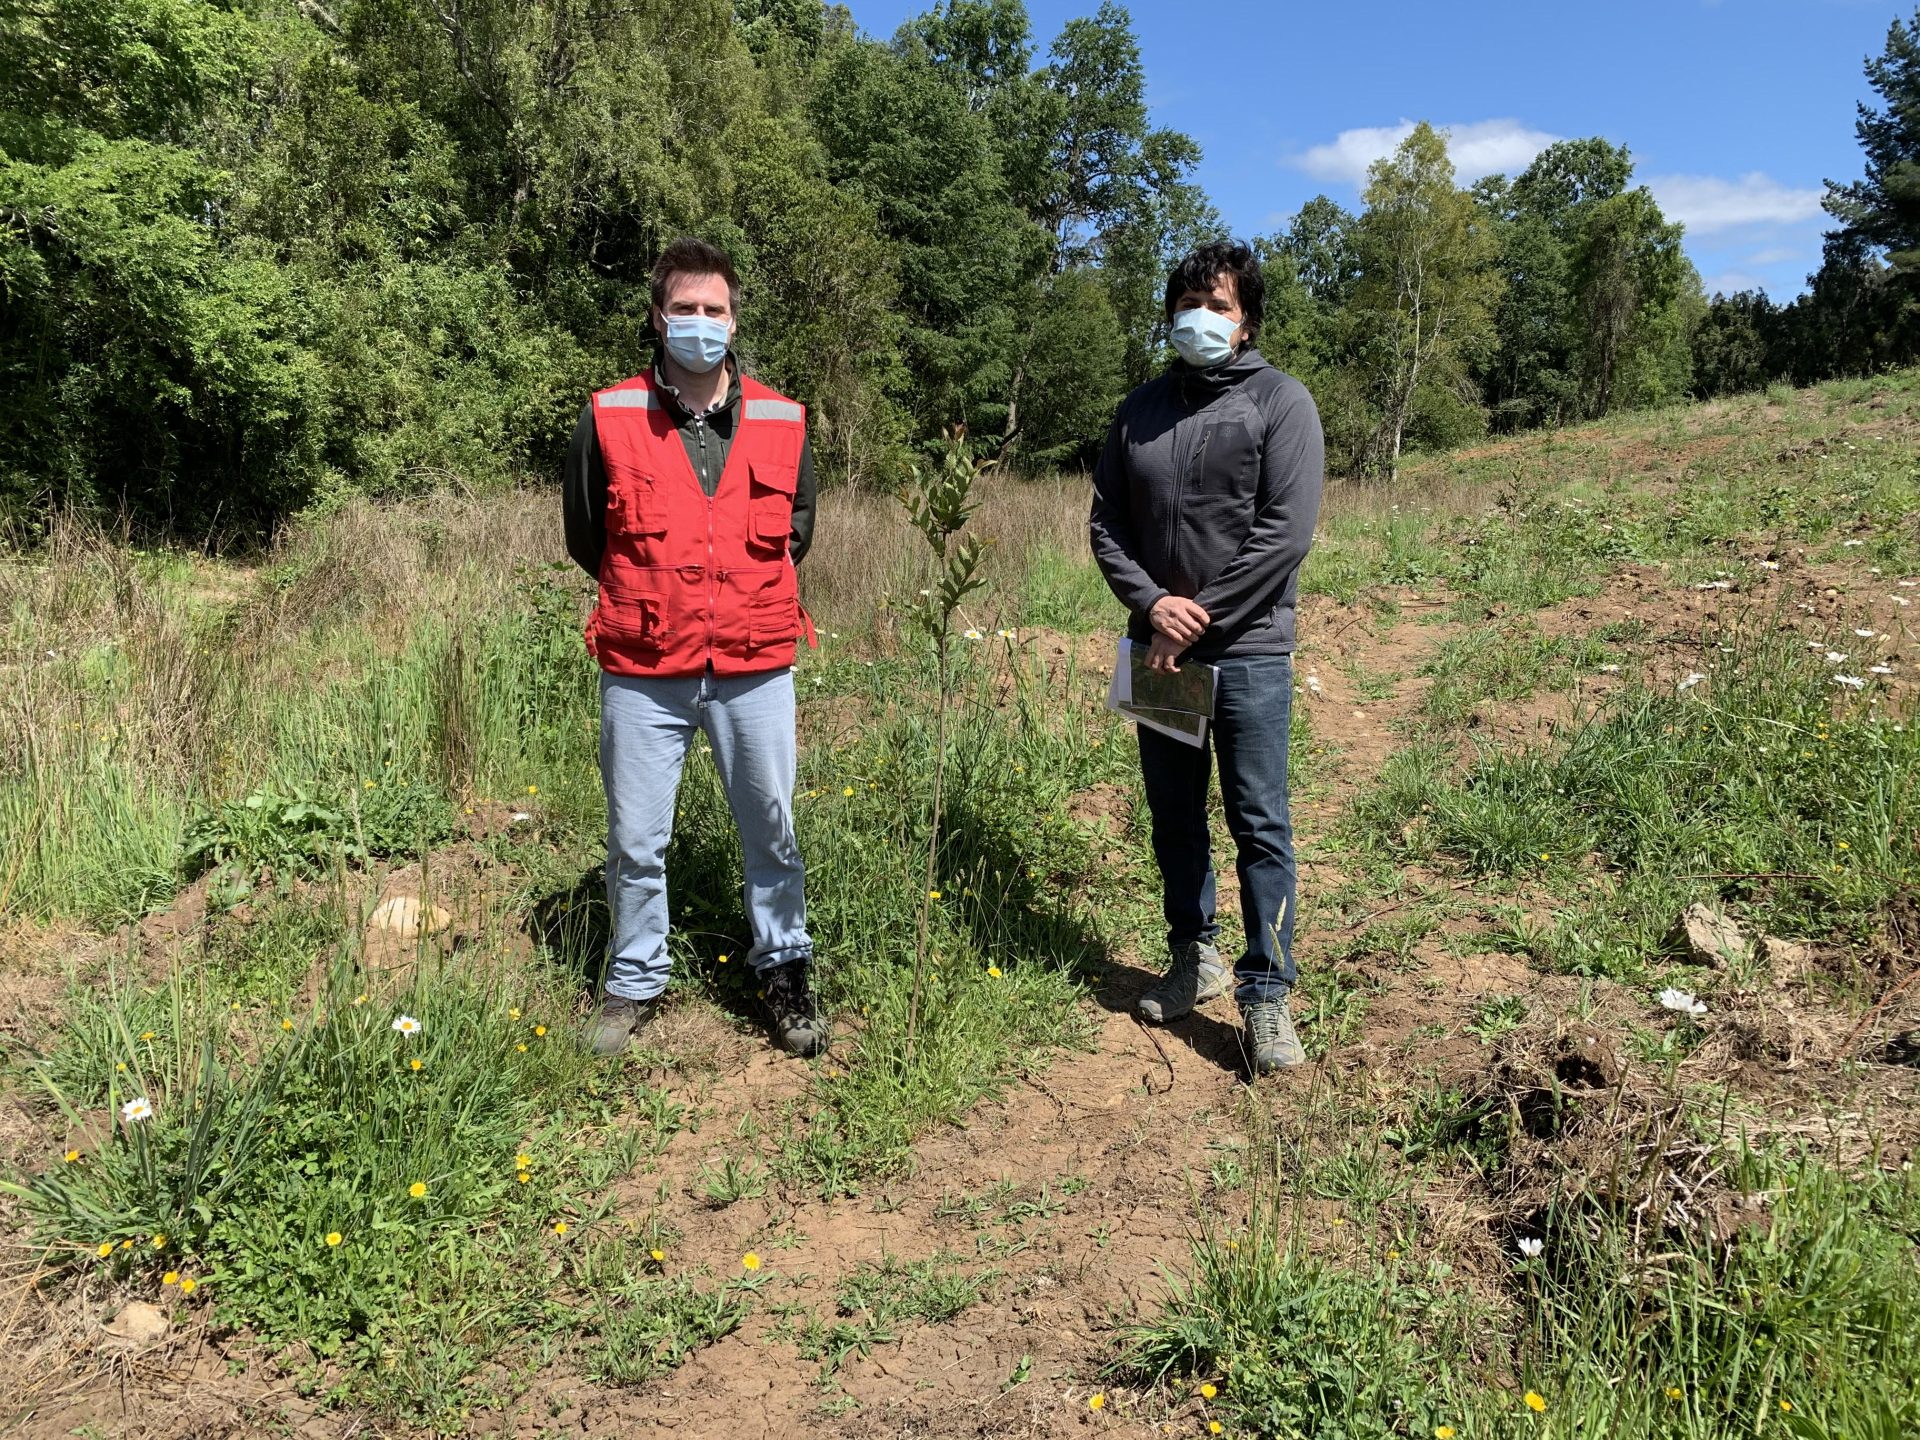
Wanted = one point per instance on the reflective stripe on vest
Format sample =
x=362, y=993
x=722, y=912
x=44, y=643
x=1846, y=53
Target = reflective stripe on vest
x=689, y=581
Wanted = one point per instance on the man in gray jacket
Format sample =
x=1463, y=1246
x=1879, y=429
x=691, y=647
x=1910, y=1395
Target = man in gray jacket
x=1204, y=502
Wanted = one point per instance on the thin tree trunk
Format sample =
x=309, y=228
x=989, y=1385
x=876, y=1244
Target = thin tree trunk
x=933, y=851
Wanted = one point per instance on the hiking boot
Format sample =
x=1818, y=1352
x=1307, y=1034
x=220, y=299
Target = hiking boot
x=1195, y=976
x=1269, y=1040
x=793, y=1015
x=617, y=1021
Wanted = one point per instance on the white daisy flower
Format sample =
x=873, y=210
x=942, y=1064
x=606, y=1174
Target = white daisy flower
x=1852, y=544
x=407, y=1025
x=1714, y=585
x=1681, y=1002
x=1864, y=634
x=1530, y=1248
x=137, y=1109
x=1852, y=682
x=973, y=634
x=1692, y=680
x=1609, y=669
x=1769, y=564
x=1880, y=669
x=1834, y=657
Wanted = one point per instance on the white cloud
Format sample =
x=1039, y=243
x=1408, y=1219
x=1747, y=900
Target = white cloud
x=1478, y=148
x=1706, y=203
x=1779, y=255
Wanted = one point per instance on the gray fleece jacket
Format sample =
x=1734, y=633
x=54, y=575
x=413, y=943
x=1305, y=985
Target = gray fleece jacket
x=1208, y=488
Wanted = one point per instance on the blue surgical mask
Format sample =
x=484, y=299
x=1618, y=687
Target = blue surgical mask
x=1203, y=337
x=697, y=342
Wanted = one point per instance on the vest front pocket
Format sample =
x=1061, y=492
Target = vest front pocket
x=634, y=618
x=759, y=607
x=634, y=504
x=770, y=522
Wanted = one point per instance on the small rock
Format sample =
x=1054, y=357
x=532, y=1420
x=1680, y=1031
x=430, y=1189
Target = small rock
x=138, y=1323
x=1787, y=959
x=405, y=915
x=1710, y=938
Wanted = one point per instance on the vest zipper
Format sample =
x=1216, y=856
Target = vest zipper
x=713, y=586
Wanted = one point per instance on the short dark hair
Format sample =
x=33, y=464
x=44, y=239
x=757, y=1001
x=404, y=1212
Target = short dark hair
x=1201, y=269
x=688, y=256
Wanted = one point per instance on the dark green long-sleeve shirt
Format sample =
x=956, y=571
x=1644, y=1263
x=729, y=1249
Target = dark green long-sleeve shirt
x=708, y=437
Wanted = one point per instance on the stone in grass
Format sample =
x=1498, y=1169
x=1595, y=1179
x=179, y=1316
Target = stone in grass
x=1789, y=960
x=138, y=1323
x=1707, y=936
x=405, y=915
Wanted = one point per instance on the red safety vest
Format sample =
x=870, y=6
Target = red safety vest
x=687, y=581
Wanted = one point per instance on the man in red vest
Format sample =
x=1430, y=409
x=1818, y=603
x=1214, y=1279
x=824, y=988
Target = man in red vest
x=689, y=496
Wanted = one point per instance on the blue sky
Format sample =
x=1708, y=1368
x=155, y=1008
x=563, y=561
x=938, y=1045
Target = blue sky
x=1735, y=110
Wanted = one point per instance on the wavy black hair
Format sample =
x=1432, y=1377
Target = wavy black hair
x=1201, y=269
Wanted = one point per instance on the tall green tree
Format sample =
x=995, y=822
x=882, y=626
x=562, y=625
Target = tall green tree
x=1427, y=287
x=1883, y=207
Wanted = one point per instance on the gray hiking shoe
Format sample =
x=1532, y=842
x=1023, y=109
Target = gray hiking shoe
x=1270, y=1040
x=1195, y=976
x=793, y=1014
x=617, y=1021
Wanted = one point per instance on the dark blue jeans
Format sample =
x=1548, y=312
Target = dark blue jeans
x=1252, y=702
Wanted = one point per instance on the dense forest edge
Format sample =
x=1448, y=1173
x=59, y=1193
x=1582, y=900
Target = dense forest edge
x=260, y=256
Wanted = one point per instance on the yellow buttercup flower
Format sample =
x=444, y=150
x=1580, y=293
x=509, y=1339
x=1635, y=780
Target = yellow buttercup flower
x=514, y=1013
x=149, y=1035
x=1786, y=1405
x=106, y=1249
x=560, y=1227
x=524, y=1176
x=658, y=1256
x=416, y=1064
x=1096, y=1402
x=1536, y=1402
x=334, y=1237
x=994, y=971
x=418, y=1190
x=522, y=1160
x=1674, y=1392
x=539, y=1029
x=933, y=894
x=848, y=791
x=521, y=1047
x=72, y=1156
x=533, y=789
x=188, y=1285
x=172, y=1277
x=160, y=1242
x=750, y=1260
x=1207, y=1392
x=1214, y=1427
x=286, y=1024
x=1443, y=1432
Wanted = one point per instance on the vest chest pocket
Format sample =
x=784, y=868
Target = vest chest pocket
x=1226, y=461
x=634, y=504
x=770, y=524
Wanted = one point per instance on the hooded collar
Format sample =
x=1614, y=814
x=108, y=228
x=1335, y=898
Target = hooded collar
x=1201, y=387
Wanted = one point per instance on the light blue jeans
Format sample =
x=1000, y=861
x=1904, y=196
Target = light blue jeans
x=646, y=726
